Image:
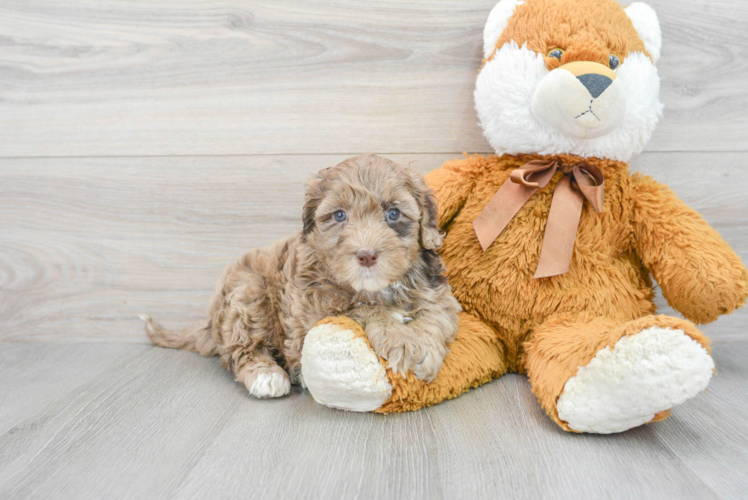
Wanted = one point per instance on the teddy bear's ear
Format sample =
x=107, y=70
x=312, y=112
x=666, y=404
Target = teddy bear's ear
x=647, y=26
x=496, y=24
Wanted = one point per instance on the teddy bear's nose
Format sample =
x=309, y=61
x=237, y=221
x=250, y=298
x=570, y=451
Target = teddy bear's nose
x=595, y=83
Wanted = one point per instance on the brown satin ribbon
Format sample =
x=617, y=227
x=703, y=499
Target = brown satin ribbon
x=563, y=218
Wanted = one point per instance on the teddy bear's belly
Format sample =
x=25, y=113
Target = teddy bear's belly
x=498, y=285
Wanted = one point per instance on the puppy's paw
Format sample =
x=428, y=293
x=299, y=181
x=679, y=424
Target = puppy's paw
x=408, y=347
x=420, y=356
x=268, y=382
x=397, y=360
x=429, y=366
x=297, y=378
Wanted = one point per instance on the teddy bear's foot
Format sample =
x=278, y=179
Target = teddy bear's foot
x=641, y=376
x=340, y=369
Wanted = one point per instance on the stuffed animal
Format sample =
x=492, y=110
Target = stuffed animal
x=551, y=245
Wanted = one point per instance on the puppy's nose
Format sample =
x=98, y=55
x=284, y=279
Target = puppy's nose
x=367, y=257
x=596, y=84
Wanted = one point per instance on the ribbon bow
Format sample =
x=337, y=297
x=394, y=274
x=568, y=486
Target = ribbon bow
x=563, y=218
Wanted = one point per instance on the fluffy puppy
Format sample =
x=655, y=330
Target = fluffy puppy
x=367, y=250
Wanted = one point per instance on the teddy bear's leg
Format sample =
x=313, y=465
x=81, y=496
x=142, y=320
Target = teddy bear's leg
x=340, y=369
x=604, y=376
x=476, y=356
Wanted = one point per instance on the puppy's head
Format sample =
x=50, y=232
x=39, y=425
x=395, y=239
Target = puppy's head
x=368, y=219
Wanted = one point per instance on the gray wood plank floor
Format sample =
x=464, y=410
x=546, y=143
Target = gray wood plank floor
x=124, y=421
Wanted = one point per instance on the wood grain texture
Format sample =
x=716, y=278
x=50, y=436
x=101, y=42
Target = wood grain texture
x=713, y=458
x=121, y=432
x=286, y=77
x=30, y=378
x=159, y=423
x=89, y=243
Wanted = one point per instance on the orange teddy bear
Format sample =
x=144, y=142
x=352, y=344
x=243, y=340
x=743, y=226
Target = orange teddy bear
x=549, y=245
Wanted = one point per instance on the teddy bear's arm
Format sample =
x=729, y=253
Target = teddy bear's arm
x=452, y=184
x=699, y=273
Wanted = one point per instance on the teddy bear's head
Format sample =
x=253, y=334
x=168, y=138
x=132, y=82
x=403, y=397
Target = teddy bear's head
x=569, y=77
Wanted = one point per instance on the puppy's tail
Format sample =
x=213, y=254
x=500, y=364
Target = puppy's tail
x=197, y=338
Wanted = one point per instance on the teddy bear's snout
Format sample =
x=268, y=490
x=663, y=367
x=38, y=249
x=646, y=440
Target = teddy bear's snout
x=582, y=99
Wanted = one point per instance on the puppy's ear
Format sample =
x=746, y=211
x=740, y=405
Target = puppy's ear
x=314, y=194
x=431, y=236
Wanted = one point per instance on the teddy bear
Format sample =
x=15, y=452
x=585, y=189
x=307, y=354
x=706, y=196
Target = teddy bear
x=551, y=244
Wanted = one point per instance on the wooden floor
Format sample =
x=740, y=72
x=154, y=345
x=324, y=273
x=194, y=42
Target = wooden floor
x=145, y=145
x=133, y=421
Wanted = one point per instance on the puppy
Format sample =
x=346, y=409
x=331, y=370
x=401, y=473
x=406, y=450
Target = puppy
x=367, y=250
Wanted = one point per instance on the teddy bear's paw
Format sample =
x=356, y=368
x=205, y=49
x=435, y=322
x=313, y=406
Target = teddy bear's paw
x=642, y=375
x=341, y=371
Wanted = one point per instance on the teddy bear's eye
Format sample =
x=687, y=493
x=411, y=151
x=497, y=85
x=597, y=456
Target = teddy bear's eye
x=613, y=61
x=556, y=53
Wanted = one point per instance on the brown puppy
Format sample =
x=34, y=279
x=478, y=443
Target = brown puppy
x=366, y=251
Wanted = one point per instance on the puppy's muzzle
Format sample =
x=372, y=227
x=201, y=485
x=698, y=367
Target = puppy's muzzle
x=367, y=257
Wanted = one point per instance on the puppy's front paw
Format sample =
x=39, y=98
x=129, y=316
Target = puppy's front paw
x=407, y=347
x=424, y=361
x=415, y=355
x=267, y=382
x=429, y=366
x=398, y=360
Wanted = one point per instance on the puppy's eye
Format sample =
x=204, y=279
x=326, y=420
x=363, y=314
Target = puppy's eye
x=556, y=54
x=393, y=214
x=613, y=61
x=339, y=216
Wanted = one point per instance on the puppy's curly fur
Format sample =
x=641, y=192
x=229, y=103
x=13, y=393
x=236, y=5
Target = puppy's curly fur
x=367, y=251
